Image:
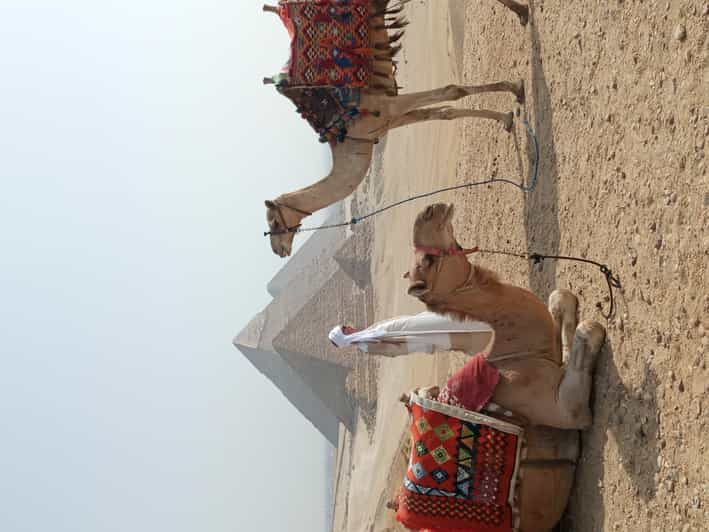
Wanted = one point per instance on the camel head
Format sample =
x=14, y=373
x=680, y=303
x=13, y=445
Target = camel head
x=439, y=265
x=434, y=228
x=280, y=218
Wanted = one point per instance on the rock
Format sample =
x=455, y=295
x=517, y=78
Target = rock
x=658, y=243
x=680, y=33
x=705, y=10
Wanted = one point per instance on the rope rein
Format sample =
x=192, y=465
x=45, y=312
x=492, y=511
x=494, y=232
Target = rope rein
x=612, y=280
x=355, y=220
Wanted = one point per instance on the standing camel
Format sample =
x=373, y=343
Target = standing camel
x=379, y=108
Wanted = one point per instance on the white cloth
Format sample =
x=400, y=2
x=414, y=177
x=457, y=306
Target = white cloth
x=424, y=332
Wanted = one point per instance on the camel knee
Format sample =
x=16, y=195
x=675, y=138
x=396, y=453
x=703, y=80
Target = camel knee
x=454, y=92
x=593, y=333
x=563, y=307
x=588, y=340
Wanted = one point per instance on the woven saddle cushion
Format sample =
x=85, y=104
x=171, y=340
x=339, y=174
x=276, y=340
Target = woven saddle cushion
x=330, y=42
x=462, y=473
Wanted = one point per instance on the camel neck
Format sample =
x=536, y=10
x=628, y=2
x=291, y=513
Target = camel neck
x=520, y=320
x=351, y=161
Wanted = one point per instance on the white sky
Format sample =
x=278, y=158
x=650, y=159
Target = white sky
x=137, y=145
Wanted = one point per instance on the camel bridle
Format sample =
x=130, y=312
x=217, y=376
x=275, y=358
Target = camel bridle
x=439, y=253
x=282, y=220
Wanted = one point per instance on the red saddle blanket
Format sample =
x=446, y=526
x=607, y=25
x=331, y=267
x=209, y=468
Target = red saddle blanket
x=462, y=472
x=472, y=386
x=330, y=42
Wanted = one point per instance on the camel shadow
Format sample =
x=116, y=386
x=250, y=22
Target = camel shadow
x=629, y=417
x=541, y=207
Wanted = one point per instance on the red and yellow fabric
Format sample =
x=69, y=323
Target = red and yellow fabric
x=462, y=471
x=330, y=42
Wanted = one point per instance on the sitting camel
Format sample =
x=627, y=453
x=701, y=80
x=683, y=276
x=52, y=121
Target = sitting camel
x=382, y=110
x=527, y=352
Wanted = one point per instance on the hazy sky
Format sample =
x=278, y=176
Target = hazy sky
x=137, y=145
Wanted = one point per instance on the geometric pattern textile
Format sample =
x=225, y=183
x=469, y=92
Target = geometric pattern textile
x=330, y=42
x=462, y=472
x=329, y=111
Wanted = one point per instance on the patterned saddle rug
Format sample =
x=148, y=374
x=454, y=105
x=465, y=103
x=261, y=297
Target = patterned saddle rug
x=329, y=111
x=463, y=471
x=330, y=42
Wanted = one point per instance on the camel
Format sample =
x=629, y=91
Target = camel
x=383, y=109
x=545, y=358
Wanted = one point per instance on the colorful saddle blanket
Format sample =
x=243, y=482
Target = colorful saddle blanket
x=330, y=42
x=472, y=386
x=329, y=111
x=462, y=473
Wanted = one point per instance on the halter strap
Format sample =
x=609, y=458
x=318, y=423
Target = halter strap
x=299, y=211
x=452, y=251
x=282, y=219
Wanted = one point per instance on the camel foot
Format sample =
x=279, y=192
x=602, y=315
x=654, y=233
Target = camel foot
x=519, y=91
x=523, y=14
x=508, y=121
x=563, y=307
x=588, y=340
x=575, y=386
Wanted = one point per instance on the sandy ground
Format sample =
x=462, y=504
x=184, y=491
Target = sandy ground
x=618, y=94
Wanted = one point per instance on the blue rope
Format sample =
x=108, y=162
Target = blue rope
x=355, y=220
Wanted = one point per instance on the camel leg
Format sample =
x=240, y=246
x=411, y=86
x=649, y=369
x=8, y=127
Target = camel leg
x=521, y=10
x=575, y=386
x=563, y=307
x=449, y=113
x=399, y=105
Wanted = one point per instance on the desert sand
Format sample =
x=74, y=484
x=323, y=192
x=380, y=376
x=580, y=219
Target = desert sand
x=618, y=94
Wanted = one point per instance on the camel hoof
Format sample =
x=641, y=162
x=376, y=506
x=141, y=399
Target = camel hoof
x=563, y=302
x=523, y=15
x=508, y=121
x=593, y=334
x=520, y=92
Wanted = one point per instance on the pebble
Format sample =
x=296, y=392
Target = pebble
x=680, y=32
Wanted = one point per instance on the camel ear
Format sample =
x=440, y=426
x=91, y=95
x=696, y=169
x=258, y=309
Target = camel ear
x=406, y=274
x=269, y=204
